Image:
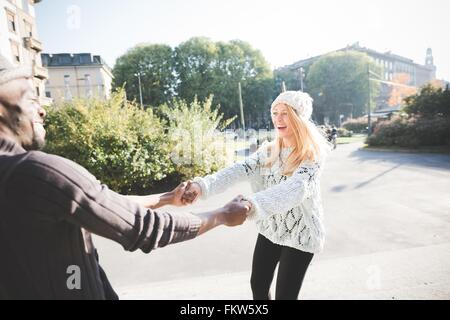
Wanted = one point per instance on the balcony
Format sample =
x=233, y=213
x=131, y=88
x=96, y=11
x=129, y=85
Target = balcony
x=33, y=43
x=40, y=72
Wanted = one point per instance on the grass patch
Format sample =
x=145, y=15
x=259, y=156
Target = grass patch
x=421, y=149
x=353, y=139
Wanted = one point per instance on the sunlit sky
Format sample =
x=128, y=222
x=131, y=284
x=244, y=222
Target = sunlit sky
x=284, y=30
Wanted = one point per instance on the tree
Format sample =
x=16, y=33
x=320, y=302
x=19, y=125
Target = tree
x=291, y=78
x=257, y=95
x=195, y=61
x=155, y=64
x=401, y=91
x=204, y=67
x=338, y=83
x=123, y=145
x=198, y=68
x=430, y=101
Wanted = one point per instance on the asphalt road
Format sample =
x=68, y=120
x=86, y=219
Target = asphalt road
x=375, y=203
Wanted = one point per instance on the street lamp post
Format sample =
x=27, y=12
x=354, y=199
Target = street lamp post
x=369, y=73
x=302, y=74
x=241, y=106
x=369, y=128
x=140, y=87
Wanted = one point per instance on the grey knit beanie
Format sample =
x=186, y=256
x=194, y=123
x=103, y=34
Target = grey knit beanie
x=10, y=72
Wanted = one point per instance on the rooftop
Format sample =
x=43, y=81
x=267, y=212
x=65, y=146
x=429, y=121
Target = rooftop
x=72, y=59
x=356, y=47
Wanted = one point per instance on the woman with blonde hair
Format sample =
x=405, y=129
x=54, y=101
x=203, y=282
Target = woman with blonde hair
x=286, y=203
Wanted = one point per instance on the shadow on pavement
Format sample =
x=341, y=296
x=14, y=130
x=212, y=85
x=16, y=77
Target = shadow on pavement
x=365, y=183
x=439, y=161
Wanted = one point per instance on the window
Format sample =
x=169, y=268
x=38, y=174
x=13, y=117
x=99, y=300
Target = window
x=11, y=21
x=67, y=93
x=15, y=51
x=66, y=79
x=38, y=92
x=28, y=28
x=48, y=94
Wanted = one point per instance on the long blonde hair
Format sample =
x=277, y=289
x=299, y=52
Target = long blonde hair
x=310, y=144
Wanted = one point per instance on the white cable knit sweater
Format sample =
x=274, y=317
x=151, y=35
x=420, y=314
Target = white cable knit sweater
x=288, y=210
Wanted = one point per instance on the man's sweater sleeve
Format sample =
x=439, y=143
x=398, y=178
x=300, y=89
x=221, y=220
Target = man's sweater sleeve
x=61, y=190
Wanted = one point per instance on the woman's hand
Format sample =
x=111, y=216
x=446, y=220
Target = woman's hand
x=178, y=193
x=192, y=193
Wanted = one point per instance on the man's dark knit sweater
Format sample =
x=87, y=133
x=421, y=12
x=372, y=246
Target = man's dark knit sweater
x=48, y=208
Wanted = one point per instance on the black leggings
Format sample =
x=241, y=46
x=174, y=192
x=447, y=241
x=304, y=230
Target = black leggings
x=291, y=271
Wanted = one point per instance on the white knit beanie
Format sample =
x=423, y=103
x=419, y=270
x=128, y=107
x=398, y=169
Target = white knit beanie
x=301, y=102
x=10, y=72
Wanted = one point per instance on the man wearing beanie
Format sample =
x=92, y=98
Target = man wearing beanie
x=49, y=205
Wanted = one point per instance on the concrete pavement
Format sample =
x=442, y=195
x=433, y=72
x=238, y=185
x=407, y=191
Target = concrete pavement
x=386, y=214
x=419, y=273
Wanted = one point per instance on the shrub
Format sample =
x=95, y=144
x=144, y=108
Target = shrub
x=342, y=132
x=429, y=102
x=197, y=146
x=358, y=125
x=412, y=131
x=117, y=141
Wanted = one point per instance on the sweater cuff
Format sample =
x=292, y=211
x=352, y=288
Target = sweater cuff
x=255, y=211
x=201, y=182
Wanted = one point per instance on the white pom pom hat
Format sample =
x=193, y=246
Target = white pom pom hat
x=301, y=102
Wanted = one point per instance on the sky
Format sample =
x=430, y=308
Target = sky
x=285, y=31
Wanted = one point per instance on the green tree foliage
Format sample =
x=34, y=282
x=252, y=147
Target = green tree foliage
x=257, y=95
x=193, y=134
x=430, y=101
x=121, y=144
x=358, y=125
x=198, y=67
x=338, y=82
x=291, y=78
x=413, y=131
x=205, y=67
x=426, y=121
x=155, y=64
x=134, y=151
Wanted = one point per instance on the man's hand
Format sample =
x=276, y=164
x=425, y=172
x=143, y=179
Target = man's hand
x=178, y=193
x=235, y=211
x=232, y=214
x=192, y=193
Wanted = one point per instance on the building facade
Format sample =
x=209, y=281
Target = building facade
x=400, y=76
x=78, y=75
x=19, y=40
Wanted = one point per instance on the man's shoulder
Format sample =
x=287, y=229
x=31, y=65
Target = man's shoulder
x=42, y=159
x=39, y=162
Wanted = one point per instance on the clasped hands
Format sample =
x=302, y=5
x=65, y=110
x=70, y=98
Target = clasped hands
x=234, y=212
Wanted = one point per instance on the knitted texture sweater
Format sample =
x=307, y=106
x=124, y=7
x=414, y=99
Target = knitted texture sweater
x=288, y=210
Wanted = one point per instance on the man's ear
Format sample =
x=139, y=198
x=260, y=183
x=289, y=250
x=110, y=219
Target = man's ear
x=2, y=111
x=5, y=115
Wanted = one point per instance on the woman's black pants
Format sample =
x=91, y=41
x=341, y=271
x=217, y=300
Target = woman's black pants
x=293, y=264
